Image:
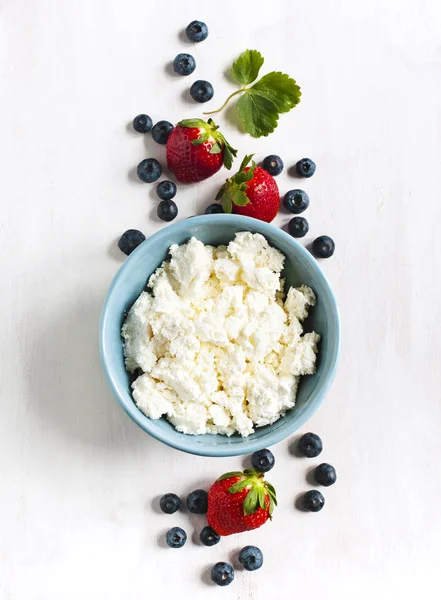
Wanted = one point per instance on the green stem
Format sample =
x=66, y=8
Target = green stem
x=226, y=102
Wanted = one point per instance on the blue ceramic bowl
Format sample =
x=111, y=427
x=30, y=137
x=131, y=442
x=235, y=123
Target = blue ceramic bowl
x=300, y=267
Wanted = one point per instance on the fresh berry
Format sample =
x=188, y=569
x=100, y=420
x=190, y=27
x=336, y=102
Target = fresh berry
x=313, y=501
x=325, y=474
x=149, y=170
x=142, y=123
x=263, y=460
x=201, y=91
x=251, y=558
x=323, y=247
x=298, y=227
x=169, y=503
x=222, y=573
x=310, y=445
x=273, y=164
x=176, y=537
x=130, y=240
x=161, y=131
x=197, y=150
x=167, y=210
x=296, y=201
x=252, y=192
x=197, y=502
x=240, y=502
x=305, y=167
x=197, y=31
x=184, y=64
x=209, y=537
x=213, y=209
x=166, y=190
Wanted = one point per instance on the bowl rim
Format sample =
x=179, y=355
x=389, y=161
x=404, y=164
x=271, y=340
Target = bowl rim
x=273, y=437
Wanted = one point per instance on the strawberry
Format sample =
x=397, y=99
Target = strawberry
x=252, y=192
x=239, y=502
x=197, y=150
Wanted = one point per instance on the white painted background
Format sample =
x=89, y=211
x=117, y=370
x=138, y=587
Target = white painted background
x=77, y=477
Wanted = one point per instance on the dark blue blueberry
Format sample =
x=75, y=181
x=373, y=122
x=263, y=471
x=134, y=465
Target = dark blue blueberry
x=197, y=31
x=176, y=537
x=263, y=460
x=184, y=64
x=169, y=503
x=167, y=210
x=166, y=190
x=161, y=130
x=142, y=123
x=296, y=201
x=310, y=445
x=251, y=558
x=209, y=537
x=201, y=91
x=313, y=501
x=323, y=247
x=149, y=170
x=305, y=167
x=213, y=209
x=273, y=164
x=197, y=502
x=222, y=573
x=130, y=240
x=298, y=227
x=325, y=474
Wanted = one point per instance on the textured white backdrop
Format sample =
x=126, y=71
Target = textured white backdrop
x=77, y=477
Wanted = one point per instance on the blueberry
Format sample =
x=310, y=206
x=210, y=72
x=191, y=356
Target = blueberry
x=197, y=31
x=310, y=445
x=184, y=64
x=130, y=240
x=296, y=201
x=298, y=227
x=251, y=558
x=201, y=91
x=149, y=170
x=142, y=123
x=222, y=573
x=209, y=537
x=263, y=460
x=213, y=209
x=197, y=502
x=166, y=190
x=176, y=537
x=273, y=164
x=161, y=130
x=323, y=247
x=313, y=501
x=167, y=210
x=169, y=503
x=305, y=167
x=325, y=474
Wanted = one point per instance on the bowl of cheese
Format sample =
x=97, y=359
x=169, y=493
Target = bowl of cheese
x=220, y=335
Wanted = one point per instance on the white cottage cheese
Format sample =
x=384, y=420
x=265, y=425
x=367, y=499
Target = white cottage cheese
x=219, y=346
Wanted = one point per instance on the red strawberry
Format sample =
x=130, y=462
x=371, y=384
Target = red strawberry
x=252, y=192
x=239, y=502
x=197, y=150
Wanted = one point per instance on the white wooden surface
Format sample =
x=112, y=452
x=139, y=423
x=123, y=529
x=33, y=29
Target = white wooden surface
x=79, y=481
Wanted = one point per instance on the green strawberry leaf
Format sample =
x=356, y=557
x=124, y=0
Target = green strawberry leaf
x=246, y=68
x=218, y=197
x=239, y=198
x=262, y=498
x=245, y=161
x=227, y=204
x=259, y=107
x=250, y=502
x=201, y=139
x=230, y=475
x=215, y=149
x=229, y=154
x=193, y=123
x=239, y=486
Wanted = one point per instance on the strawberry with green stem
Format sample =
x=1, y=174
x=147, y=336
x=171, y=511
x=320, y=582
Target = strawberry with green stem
x=252, y=192
x=240, y=501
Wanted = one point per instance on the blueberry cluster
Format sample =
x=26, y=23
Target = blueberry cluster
x=297, y=201
x=310, y=445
